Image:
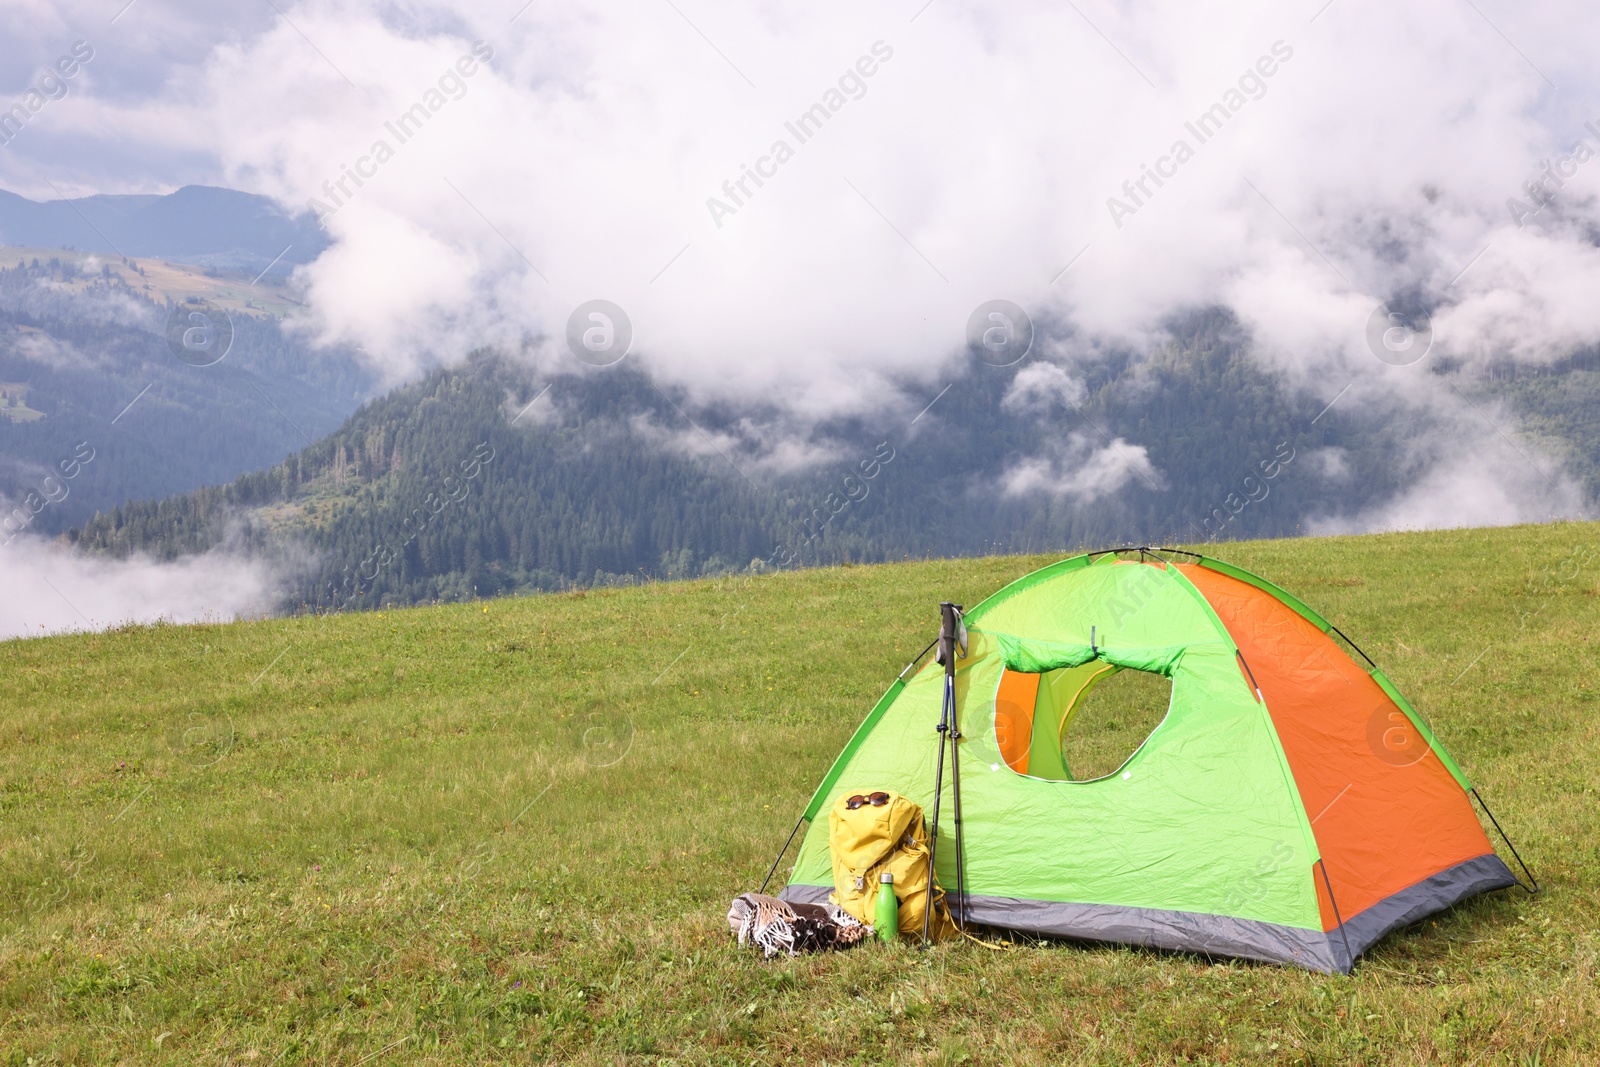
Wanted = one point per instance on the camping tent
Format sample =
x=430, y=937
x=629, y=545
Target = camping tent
x=1291, y=806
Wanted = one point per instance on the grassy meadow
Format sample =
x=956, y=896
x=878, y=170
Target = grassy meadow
x=508, y=831
x=160, y=279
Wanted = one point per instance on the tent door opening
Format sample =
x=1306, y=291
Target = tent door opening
x=1077, y=724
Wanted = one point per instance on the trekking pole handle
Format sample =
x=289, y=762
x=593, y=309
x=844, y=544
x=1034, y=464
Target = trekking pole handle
x=952, y=635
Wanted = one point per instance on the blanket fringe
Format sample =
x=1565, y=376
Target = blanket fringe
x=780, y=928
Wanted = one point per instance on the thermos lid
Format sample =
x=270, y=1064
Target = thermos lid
x=886, y=878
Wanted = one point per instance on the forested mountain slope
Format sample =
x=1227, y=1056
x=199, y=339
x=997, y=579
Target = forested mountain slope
x=448, y=488
x=86, y=369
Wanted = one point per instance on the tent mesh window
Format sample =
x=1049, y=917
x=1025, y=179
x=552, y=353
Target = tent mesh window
x=1078, y=723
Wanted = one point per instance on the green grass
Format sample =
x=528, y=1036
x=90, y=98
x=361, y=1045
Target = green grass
x=1116, y=715
x=509, y=831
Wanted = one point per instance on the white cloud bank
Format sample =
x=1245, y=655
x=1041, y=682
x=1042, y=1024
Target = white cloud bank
x=1461, y=480
x=50, y=589
x=980, y=156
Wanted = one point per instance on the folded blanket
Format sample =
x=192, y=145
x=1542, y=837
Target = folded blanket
x=778, y=926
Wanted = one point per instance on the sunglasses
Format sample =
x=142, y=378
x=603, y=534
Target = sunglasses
x=877, y=800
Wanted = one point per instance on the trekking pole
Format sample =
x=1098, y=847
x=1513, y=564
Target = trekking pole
x=946, y=656
x=957, y=648
x=955, y=786
x=933, y=836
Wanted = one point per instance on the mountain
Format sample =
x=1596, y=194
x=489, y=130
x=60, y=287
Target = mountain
x=198, y=224
x=455, y=486
x=1559, y=407
x=86, y=369
x=442, y=490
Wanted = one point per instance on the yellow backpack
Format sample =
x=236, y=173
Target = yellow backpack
x=873, y=839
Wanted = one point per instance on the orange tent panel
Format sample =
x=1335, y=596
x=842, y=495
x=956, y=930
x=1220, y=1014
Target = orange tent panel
x=1385, y=811
x=1013, y=717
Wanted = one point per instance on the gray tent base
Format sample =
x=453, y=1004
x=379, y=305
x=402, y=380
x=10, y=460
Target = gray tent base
x=1221, y=935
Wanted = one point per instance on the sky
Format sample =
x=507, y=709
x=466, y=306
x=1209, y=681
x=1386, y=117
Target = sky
x=1310, y=166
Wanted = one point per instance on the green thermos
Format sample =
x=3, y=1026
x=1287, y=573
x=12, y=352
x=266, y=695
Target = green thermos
x=888, y=914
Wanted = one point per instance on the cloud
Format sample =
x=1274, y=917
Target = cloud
x=1329, y=464
x=1039, y=388
x=1462, y=480
x=593, y=140
x=984, y=156
x=762, y=447
x=1463, y=493
x=51, y=589
x=51, y=352
x=1080, y=471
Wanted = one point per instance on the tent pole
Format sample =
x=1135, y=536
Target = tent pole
x=1336, y=916
x=914, y=662
x=1509, y=845
x=779, y=858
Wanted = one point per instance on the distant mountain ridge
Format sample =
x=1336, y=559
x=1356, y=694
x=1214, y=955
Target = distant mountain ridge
x=84, y=362
x=198, y=224
x=480, y=480
x=443, y=491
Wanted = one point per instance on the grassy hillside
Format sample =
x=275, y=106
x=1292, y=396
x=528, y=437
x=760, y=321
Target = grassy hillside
x=236, y=291
x=508, y=831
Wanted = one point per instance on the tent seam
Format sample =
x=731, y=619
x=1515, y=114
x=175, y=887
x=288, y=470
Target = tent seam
x=1373, y=671
x=1306, y=832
